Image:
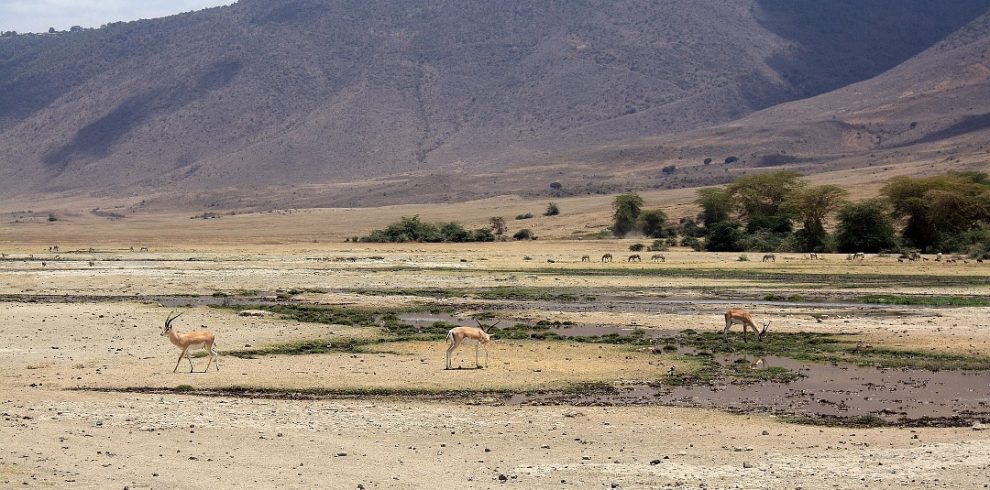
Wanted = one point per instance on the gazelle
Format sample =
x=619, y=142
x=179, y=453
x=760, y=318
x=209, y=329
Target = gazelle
x=634, y=258
x=607, y=258
x=184, y=341
x=658, y=258
x=739, y=315
x=769, y=258
x=479, y=335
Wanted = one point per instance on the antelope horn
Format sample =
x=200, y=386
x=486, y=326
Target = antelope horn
x=168, y=322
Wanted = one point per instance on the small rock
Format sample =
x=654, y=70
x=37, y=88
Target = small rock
x=655, y=462
x=341, y=454
x=766, y=432
x=545, y=446
x=980, y=426
x=503, y=478
x=746, y=464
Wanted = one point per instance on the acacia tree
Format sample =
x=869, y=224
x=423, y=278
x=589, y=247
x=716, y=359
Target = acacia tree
x=865, y=226
x=652, y=222
x=812, y=206
x=627, y=209
x=497, y=224
x=761, y=198
x=716, y=205
x=935, y=208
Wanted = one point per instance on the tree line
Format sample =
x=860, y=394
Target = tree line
x=780, y=211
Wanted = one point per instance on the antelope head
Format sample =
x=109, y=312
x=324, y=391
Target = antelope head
x=486, y=328
x=763, y=332
x=168, y=323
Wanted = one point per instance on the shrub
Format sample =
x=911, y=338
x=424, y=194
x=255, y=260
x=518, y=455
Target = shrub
x=724, y=237
x=523, y=234
x=865, y=227
x=762, y=241
x=524, y=216
x=659, y=246
x=731, y=160
x=636, y=247
x=669, y=169
x=692, y=242
x=552, y=210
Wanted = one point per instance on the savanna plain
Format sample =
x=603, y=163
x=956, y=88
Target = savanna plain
x=872, y=373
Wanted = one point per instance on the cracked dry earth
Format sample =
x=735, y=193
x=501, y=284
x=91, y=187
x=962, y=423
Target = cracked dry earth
x=53, y=436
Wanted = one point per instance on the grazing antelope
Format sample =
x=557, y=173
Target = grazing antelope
x=585, y=258
x=658, y=258
x=769, y=258
x=204, y=339
x=607, y=258
x=634, y=258
x=479, y=335
x=739, y=315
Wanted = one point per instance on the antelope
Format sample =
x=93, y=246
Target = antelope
x=184, y=341
x=479, y=335
x=634, y=258
x=658, y=258
x=585, y=258
x=739, y=315
x=769, y=258
x=607, y=258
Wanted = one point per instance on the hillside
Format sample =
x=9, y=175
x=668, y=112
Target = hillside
x=927, y=115
x=435, y=100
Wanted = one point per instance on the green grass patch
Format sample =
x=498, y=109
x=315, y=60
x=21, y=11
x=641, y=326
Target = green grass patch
x=891, y=299
x=405, y=392
x=830, y=348
x=793, y=298
x=516, y=293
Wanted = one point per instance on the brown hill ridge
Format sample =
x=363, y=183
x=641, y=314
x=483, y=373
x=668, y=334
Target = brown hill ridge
x=446, y=100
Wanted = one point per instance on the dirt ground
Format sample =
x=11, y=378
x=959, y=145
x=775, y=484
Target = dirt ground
x=57, y=431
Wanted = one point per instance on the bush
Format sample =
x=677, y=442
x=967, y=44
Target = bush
x=724, y=237
x=762, y=241
x=708, y=161
x=865, y=227
x=692, y=242
x=669, y=169
x=731, y=160
x=652, y=222
x=659, y=246
x=636, y=247
x=412, y=229
x=552, y=210
x=523, y=234
x=524, y=216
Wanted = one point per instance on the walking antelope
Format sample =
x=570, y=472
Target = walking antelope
x=769, y=258
x=739, y=315
x=479, y=335
x=585, y=258
x=184, y=341
x=658, y=258
x=607, y=258
x=634, y=258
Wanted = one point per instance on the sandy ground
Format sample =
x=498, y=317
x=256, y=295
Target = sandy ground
x=54, y=436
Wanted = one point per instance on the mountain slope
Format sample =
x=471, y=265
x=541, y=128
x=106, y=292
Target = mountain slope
x=307, y=91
